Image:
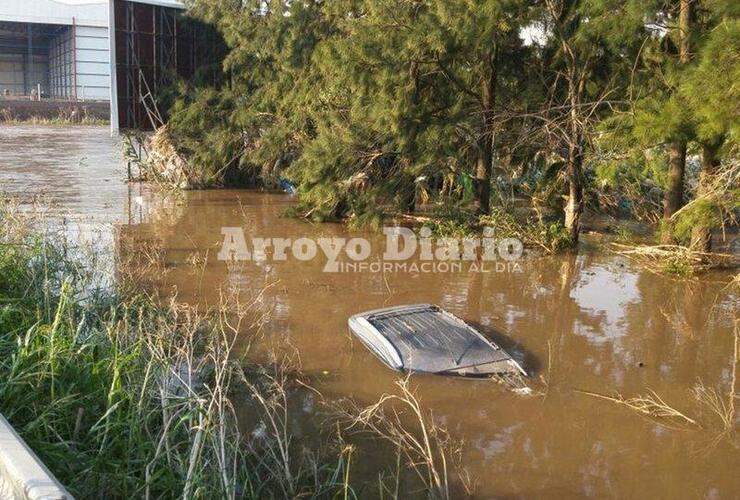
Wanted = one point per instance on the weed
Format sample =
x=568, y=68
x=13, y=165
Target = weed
x=129, y=397
x=400, y=420
x=551, y=237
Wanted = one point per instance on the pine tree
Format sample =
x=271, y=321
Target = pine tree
x=674, y=95
x=361, y=102
x=711, y=91
x=587, y=43
x=421, y=81
x=661, y=115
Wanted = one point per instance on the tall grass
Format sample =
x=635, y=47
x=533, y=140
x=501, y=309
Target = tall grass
x=126, y=397
x=72, y=115
x=427, y=448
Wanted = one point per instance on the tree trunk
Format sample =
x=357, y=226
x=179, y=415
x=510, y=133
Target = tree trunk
x=673, y=197
x=684, y=18
x=408, y=196
x=574, y=206
x=482, y=181
x=484, y=164
x=701, y=235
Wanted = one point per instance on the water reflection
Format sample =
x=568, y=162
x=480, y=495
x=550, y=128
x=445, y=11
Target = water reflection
x=591, y=321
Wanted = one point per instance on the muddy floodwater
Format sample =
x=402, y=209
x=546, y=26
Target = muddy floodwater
x=591, y=321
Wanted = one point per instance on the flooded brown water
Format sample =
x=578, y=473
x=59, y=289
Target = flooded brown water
x=77, y=167
x=592, y=321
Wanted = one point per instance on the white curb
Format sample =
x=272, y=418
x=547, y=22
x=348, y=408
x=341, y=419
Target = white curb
x=22, y=475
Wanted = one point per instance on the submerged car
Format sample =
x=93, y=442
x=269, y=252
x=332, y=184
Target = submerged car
x=424, y=338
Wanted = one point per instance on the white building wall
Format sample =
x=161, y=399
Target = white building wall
x=88, y=20
x=92, y=53
x=13, y=75
x=85, y=12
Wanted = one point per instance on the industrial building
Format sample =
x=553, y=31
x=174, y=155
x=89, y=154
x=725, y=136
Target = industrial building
x=59, y=47
x=62, y=50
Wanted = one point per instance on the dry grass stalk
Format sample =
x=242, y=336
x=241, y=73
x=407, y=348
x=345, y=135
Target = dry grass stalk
x=655, y=257
x=711, y=399
x=723, y=408
x=164, y=162
x=650, y=405
x=734, y=283
x=714, y=401
x=426, y=447
x=70, y=115
x=656, y=252
x=546, y=379
x=144, y=385
x=271, y=396
x=140, y=264
x=298, y=472
x=193, y=375
x=158, y=160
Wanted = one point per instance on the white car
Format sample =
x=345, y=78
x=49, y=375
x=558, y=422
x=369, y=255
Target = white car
x=424, y=338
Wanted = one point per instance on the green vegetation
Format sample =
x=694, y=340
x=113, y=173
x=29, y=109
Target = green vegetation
x=561, y=107
x=125, y=395
x=71, y=116
x=551, y=237
x=125, y=398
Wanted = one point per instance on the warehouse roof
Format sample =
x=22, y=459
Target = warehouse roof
x=67, y=12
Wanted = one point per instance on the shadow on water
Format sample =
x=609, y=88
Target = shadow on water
x=526, y=358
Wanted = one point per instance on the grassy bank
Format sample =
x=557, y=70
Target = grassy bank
x=56, y=121
x=73, y=115
x=125, y=398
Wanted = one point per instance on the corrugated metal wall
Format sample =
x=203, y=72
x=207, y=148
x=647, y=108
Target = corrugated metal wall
x=13, y=73
x=155, y=45
x=92, y=51
x=61, y=65
x=68, y=62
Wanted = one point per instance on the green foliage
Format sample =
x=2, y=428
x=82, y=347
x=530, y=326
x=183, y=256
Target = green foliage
x=711, y=85
x=125, y=398
x=200, y=130
x=363, y=214
x=701, y=213
x=549, y=236
x=450, y=221
x=373, y=107
x=302, y=101
x=450, y=229
x=623, y=233
x=694, y=100
x=555, y=236
x=678, y=264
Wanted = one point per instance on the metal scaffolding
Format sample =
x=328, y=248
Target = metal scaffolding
x=62, y=59
x=154, y=45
